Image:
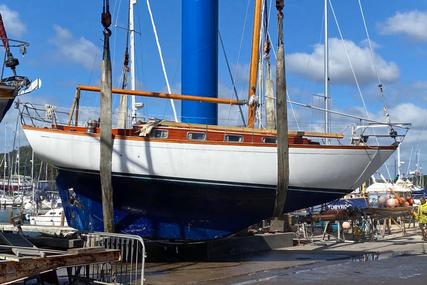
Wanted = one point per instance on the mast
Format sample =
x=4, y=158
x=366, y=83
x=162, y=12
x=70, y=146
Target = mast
x=326, y=70
x=254, y=64
x=130, y=45
x=399, y=163
x=5, y=158
x=32, y=175
x=132, y=57
x=270, y=110
x=418, y=168
x=10, y=61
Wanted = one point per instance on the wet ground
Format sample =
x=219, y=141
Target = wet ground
x=394, y=260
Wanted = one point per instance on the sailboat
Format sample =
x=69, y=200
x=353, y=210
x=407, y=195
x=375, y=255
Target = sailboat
x=196, y=181
x=15, y=85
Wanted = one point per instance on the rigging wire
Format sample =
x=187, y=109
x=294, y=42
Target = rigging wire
x=243, y=33
x=354, y=74
x=287, y=92
x=159, y=49
x=374, y=67
x=293, y=111
x=116, y=11
x=231, y=77
x=123, y=101
x=349, y=60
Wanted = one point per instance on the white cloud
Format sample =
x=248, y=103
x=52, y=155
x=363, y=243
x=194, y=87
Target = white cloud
x=412, y=24
x=13, y=24
x=310, y=65
x=70, y=48
x=409, y=113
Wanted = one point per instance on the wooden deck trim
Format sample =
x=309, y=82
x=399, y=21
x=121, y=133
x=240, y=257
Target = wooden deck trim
x=250, y=130
x=79, y=132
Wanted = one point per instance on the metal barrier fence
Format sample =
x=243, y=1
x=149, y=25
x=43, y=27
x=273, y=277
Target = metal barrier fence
x=130, y=270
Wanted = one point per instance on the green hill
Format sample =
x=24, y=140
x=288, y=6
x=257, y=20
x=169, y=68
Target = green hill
x=42, y=170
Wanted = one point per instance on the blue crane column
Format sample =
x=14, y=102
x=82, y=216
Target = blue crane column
x=199, y=69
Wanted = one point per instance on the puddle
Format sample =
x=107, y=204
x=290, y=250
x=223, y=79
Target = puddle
x=375, y=256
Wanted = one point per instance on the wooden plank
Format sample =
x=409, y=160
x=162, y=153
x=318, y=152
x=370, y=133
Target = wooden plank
x=86, y=250
x=50, y=230
x=12, y=271
x=13, y=257
x=56, y=242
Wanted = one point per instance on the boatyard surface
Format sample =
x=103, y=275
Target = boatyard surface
x=393, y=260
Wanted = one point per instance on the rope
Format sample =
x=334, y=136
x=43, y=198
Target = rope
x=159, y=48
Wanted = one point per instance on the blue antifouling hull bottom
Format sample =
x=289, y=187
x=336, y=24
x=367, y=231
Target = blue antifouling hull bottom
x=175, y=209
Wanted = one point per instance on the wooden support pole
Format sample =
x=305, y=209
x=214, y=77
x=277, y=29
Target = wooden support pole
x=165, y=95
x=106, y=141
x=282, y=121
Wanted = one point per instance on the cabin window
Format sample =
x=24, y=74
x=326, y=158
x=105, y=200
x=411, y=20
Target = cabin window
x=196, y=136
x=269, y=140
x=159, y=134
x=233, y=138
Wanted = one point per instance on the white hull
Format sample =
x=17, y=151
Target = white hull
x=326, y=167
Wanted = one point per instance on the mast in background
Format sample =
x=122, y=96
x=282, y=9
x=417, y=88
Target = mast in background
x=5, y=158
x=398, y=162
x=270, y=102
x=33, y=190
x=124, y=105
x=134, y=109
x=253, y=72
x=326, y=71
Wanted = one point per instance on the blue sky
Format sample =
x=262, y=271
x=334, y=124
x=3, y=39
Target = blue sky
x=65, y=39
